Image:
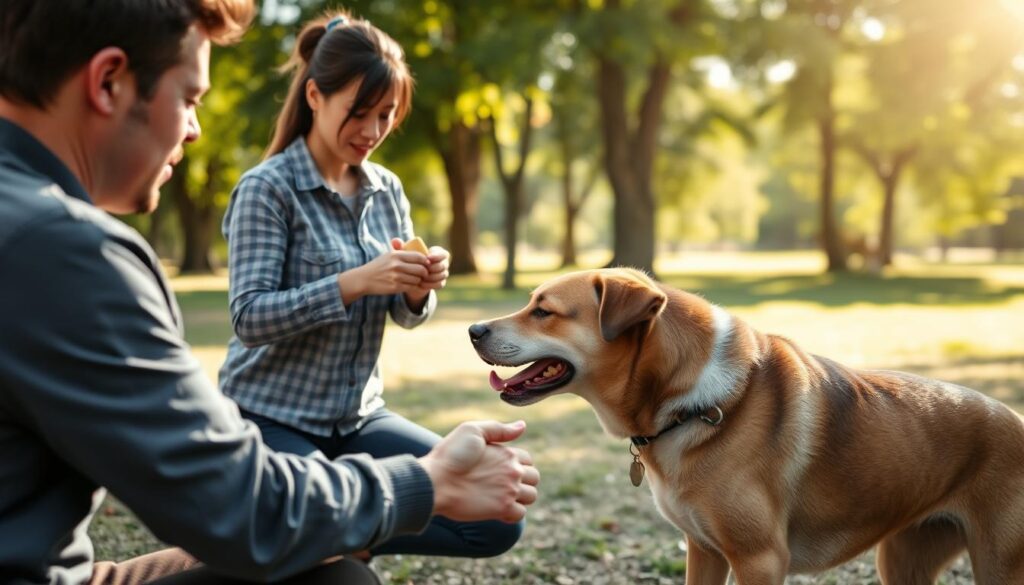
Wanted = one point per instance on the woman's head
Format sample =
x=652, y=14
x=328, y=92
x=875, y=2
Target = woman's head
x=335, y=57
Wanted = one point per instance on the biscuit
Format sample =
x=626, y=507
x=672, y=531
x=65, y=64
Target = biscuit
x=416, y=245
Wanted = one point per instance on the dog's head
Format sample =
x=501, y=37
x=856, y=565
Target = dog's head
x=577, y=334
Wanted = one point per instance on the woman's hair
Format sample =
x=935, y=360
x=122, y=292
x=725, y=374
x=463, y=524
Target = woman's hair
x=334, y=51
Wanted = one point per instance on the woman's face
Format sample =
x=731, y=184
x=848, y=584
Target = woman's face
x=364, y=131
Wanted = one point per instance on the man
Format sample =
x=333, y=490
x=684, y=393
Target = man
x=97, y=387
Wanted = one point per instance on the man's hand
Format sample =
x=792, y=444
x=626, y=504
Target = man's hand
x=475, y=477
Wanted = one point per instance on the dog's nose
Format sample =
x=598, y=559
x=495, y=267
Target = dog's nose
x=477, y=332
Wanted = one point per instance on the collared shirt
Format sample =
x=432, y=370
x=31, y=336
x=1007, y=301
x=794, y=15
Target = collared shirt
x=98, y=388
x=299, y=355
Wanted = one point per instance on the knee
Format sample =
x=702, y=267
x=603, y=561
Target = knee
x=496, y=538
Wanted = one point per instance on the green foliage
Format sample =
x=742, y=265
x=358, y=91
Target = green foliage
x=736, y=157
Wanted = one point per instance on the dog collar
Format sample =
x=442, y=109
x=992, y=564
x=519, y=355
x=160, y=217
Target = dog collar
x=712, y=416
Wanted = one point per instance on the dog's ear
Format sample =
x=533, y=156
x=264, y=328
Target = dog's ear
x=625, y=302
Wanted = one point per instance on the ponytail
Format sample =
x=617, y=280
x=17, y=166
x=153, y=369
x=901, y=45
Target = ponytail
x=296, y=117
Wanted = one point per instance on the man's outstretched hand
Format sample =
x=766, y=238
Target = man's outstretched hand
x=477, y=477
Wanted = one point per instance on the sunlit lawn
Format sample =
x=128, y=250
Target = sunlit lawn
x=962, y=323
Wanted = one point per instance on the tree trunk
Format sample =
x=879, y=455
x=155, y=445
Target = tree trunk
x=885, y=240
x=944, y=245
x=512, y=211
x=629, y=156
x=888, y=169
x=573, y=202
x=199, y=243
x=513, y=185
x=197, y=223
x=155, y=235
x=461, y=156
x=568, y=235
x=890, y=183
x=830, y=237
x=629, y=161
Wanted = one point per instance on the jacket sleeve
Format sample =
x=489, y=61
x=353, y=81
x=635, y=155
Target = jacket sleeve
x=100, y=372
x=399, y=310
x=256, y=229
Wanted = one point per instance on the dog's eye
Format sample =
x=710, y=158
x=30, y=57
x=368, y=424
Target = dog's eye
x=540, y=313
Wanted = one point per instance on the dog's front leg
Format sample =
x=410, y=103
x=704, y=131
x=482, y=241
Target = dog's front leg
x=704, y=566
x=768, y=567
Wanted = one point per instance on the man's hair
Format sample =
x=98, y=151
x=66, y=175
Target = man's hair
x=44, y=42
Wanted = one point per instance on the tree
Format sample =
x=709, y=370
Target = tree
x=438, y=37
x=653, y=36
x=576, y=134
x=941, y=61
x=516, y=104
x=456, y=49
x=236, y=118
x=808, y=37
x=512, y=183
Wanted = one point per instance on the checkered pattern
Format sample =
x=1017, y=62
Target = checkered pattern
x=299, y=356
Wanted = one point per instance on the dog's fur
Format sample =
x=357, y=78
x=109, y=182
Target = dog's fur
x=813, y=462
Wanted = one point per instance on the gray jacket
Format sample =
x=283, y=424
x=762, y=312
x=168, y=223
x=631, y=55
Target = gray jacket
x=99, y=390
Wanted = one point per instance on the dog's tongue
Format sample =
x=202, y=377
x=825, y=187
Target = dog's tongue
x=531, y=372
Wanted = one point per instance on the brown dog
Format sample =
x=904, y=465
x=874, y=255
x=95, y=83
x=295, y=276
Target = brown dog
x=771, y=460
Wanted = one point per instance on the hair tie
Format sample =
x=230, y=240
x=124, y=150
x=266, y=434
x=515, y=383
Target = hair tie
x=335, y=22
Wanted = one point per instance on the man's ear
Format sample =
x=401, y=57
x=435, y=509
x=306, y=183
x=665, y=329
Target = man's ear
x=625, y=302
x=313, y=95
x=108, y=80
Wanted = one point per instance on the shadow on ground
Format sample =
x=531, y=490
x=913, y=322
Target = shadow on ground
x=827, y=290
x=831, y=290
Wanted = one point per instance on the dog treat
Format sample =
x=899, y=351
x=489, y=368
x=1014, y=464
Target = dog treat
x=416, y=245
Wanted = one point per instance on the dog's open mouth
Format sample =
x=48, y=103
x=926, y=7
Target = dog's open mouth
x=539, y=378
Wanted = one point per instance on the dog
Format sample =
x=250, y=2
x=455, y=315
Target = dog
x=771, y=460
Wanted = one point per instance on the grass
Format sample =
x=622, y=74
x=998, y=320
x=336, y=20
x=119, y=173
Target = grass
x=962, y=323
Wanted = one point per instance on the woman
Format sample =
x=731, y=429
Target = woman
x=314, y=238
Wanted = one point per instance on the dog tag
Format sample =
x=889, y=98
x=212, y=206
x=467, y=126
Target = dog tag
x=636, y=472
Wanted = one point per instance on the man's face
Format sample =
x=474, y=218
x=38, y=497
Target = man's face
x=151, y=133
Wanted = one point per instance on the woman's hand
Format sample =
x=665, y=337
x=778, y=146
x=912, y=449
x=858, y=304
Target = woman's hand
x=437, y=277
x=437, y=272
x=390, y=273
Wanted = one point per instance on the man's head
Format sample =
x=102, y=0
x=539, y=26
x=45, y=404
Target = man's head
x=120, y=79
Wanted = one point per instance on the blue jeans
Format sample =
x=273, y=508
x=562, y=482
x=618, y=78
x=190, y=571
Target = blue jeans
x=383, y=435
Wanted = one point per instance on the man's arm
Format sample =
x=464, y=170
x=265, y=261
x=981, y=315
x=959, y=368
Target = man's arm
x=99, y=371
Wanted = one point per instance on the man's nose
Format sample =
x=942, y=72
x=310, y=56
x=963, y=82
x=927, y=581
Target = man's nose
x=194, y=131
x=477, y=332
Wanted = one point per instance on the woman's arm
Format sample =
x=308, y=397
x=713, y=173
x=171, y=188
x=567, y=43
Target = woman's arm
x=256, y=228
x=418, y=304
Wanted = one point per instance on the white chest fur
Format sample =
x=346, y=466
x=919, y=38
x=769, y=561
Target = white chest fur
x=674, y=508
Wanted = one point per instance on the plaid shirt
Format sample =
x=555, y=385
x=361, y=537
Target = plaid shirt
x=299, y=355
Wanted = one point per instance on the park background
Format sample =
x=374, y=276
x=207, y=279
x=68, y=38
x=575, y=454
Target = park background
x=849, y=174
